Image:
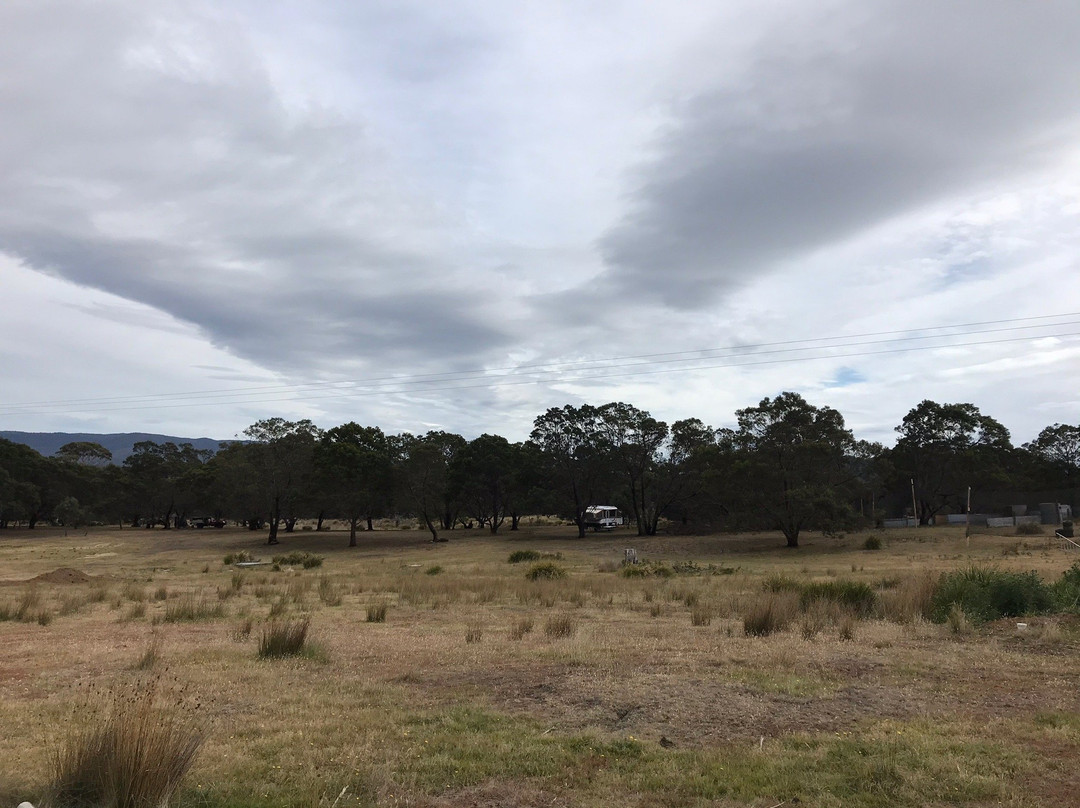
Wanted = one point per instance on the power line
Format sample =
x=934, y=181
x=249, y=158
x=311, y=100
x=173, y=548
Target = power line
x=492, y=376
x=570, y=380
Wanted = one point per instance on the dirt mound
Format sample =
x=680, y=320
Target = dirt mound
x=63, y=575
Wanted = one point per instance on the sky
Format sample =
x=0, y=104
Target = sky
x=456, y=215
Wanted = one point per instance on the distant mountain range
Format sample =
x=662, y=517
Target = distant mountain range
x=119, y=443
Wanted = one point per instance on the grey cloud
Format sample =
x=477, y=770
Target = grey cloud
x=150, y=157
x=839, y=126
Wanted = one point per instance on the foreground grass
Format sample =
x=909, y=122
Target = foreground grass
x=638, y=703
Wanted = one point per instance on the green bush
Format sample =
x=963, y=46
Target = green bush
x=518, y=556
x=872, y=543
x=434, y=569
x=989, y=594
x=650, y=568
x=1066, y=591
x=546, y=571
x=854, y=595
x=237, y=557
x=298, y=558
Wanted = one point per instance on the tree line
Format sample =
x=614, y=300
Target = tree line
x=787, y=465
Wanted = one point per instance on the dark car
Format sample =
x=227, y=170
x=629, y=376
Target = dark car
x=206, y=521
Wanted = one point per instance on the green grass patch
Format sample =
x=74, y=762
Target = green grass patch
x=298, y=558
x=545, y=571
x=854, y=595
x=518, y=556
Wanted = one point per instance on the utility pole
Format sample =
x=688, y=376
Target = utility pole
x=914, y=506
x=967, y=521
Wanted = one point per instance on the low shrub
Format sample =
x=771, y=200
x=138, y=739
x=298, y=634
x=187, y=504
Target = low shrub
x=1029, y=529
x=434, y=569
x=376, y=613
x=284, y=639
x=700, y=615
x=872, y=542
x=647, y=569
x=854, y=595
x=329, y=594
x=987, y=593
x=518, y=556
x=547, y=571
x=298, y=558
x=238, y=557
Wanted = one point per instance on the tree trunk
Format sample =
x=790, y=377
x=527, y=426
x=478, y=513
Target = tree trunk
x=275, y=517
x=370, y=526
x=792, y=536
x=318, y=524
x=352, y=530
x=431, y=527
x=290, y=524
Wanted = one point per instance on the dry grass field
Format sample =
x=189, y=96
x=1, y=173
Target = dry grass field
x=442, y=675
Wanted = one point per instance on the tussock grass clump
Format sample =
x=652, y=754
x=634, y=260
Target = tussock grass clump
x=135, y=757
x=242, y=631
x=136, y=612
x=434, y=569
x=474, y=632
x=957, y=620
x=238, y=557
x=987, y=593
x=700, y=615
x=135, y=593
x=329, y=594
x=284, y=639
x=299, y=558
x=70, y=604
x=546, y=571
x=872, y=542
x=150, y=656
x=781, y=583
x=161, y=593
x=769, y=614
x=910, y=599
x=854, y=595
x=376, y=613
x=188, y=608
x=521, y=628
x=519, y=556
x=560, y=625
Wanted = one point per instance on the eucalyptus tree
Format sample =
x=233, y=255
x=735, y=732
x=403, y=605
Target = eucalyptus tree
x=281, y=455
x=353, y=466
x=944, y=448
x=791, y=463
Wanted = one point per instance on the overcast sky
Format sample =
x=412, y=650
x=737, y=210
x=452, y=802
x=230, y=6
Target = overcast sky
x=455, y=215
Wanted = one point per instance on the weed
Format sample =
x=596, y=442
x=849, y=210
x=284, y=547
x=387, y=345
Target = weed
x=872, y=543
x=656, y=610
x=434, y=569
x=239, y=557
x=136, y=612
x=547, y=571
x=910, y=600
x=376, y=613
x=958, y=620
x=135, y=593
x=284, y=639
x=846, y=627
x=161, y=593
x=781, y=583
x=279, y=607
x=71, y=604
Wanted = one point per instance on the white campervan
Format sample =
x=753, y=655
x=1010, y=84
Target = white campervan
x=603, y=517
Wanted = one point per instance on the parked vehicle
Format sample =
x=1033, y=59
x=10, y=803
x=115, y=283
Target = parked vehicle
x=206, y=521
x=603, y=517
